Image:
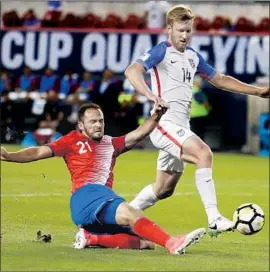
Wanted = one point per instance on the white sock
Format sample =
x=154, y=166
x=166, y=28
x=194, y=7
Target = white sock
x=145, y=199
x=206, y=188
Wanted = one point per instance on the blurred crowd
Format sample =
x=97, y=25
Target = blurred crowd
x=47, y=105
x=153, y=18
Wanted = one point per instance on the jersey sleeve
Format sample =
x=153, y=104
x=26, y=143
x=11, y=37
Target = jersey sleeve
x=60, y=147
x=153, y=56
x=204, y=69
x=119, y=144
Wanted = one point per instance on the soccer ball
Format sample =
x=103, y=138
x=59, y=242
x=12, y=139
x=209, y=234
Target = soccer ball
x=248, y=218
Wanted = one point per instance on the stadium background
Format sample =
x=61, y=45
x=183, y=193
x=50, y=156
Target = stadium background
x=107, y=36
x=237, y=45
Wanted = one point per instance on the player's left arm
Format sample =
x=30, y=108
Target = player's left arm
x=27, y=154
x=229, y=83
x=146, y=128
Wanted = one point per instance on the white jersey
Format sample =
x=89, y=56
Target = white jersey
x=172, y=74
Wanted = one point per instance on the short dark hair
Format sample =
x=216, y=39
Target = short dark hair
x=86, y=107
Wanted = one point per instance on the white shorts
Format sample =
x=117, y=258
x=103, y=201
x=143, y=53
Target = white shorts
x=169, y=139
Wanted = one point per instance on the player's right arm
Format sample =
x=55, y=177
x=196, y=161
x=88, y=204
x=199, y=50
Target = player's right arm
x=27, y=154
x=134, y=72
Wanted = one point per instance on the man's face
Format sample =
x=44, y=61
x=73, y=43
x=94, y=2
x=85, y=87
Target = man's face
x=107, y=74
x=48, y=72
x=27, y=71
x=52, y=96
x=4, y=76
x=86, y=76
x=180, y=34
x=92, y=124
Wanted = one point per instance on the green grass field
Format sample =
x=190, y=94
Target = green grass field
x=36, y=197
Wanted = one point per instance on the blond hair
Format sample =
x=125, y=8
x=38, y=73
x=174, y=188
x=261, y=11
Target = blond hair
x=179, y=13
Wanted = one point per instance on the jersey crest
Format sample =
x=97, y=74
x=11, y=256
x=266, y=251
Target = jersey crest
x=192, y=63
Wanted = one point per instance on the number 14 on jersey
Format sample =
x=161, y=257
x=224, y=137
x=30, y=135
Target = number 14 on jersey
x=186, y=75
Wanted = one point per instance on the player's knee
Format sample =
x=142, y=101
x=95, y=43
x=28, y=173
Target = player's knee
x=132, y=215
x=205, y=154
x=165, y=192
x=144, y=244
x=126, y=215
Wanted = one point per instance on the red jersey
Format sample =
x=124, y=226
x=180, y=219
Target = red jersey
x=89, y=161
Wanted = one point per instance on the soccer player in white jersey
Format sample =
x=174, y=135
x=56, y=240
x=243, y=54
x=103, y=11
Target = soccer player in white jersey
x=173, y=64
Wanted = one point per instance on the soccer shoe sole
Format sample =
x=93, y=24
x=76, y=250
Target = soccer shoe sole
x=191, y=238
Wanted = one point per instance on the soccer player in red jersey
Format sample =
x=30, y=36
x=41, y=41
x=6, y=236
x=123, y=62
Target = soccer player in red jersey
x=90, y=157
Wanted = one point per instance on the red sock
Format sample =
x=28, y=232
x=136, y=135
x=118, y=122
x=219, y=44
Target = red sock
x=151, y=231
x=122, y=240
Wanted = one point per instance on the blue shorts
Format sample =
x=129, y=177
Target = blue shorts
x=94, y=204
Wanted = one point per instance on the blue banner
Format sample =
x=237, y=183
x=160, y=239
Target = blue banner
x=244, y=57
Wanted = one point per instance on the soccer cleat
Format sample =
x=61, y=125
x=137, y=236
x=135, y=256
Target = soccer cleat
x=178, y=245
x=220, y=225
x=80, y=239
x=85, y=239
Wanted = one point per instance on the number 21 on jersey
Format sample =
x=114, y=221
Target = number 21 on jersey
x=84, y=147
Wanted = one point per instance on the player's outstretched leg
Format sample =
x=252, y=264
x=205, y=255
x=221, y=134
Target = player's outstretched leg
x=110, y=209
x=196, y=151
x=145, y=228
x=85, y=239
